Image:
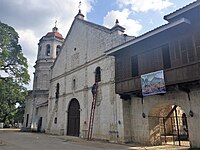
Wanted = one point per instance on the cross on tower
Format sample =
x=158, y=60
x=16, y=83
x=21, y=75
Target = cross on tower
x=55, y=23
x=79, y=6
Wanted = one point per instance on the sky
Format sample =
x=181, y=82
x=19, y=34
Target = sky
x=32, y=19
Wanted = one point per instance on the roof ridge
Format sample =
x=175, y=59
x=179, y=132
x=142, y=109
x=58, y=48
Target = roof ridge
x=96, y=25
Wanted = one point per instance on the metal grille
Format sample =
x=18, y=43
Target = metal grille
x=172, y=130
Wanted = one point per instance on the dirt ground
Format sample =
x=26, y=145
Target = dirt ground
x=13, y=139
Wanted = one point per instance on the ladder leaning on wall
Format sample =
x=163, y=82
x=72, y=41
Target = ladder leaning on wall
x=94, y=93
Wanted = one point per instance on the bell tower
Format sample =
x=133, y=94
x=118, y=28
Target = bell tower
x=49, y=47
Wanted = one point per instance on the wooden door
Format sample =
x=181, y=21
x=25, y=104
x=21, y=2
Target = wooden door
x=27, y=118
x=73, y=125
x=39, y=125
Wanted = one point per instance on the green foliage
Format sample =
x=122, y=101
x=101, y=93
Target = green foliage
x=12, y=61
x=13, y=65
x=11, y=93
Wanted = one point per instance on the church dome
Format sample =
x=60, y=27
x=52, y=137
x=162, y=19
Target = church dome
x=54, y=33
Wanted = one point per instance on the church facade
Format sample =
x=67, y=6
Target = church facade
x=74, y=72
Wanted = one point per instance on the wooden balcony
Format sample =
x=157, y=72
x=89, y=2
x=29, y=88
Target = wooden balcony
x=181, y=74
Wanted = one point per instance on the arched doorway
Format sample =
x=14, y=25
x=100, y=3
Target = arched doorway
x=168, y=125
x=73, y=124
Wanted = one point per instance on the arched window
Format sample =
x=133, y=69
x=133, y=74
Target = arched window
x=98, y=74
x=48, y=50
x=55, y=120
x=58, y=50
x=57, y=90
x=74, y=84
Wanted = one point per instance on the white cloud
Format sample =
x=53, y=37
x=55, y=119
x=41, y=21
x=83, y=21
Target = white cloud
x=145, y=5
x=32, y=19
x=28, y=41
x=132, y=26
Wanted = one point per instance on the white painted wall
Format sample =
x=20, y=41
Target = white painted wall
x=83, y=51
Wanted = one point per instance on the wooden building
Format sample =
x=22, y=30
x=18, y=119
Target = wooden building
x=175, y=49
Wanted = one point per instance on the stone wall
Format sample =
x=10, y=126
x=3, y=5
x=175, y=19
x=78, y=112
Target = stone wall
x=28, y=110
x=42, y=112
x=140, y=126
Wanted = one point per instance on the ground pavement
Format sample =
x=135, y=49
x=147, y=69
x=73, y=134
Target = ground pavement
x=12, y=139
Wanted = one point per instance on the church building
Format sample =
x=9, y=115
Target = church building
x=65, y=80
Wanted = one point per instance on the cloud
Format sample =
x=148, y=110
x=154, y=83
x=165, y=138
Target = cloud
x=29, y=43
x=145, y=5
x=132, y=26
x=32, y=19
x=39, y=15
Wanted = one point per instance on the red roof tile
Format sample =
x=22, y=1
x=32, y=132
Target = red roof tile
x=52, y=34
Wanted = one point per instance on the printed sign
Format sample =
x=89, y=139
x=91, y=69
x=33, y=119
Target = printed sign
x=153, y=83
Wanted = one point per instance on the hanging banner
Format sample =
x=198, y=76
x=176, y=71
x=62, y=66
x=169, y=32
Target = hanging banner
x=153, y=83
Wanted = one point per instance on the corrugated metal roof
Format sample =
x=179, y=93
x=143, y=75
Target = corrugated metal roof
x=182, y=10
x=149, y=34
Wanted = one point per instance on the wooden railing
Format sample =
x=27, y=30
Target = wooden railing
x=181, y=74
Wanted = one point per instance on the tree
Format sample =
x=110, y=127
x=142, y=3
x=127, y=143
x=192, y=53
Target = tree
x=14, y=68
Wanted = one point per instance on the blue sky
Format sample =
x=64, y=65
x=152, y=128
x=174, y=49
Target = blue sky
x=32, y=19
x=149, y=19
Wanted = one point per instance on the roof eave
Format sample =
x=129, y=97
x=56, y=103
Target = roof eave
x=148, y=35
x=181, y=11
